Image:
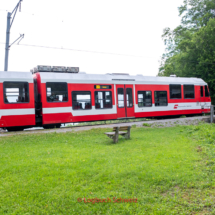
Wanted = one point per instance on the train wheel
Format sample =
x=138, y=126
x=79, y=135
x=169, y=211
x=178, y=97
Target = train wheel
x=51, y=126
x=47, y=126
x=10, y=129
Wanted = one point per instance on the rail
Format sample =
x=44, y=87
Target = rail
x=212, y=114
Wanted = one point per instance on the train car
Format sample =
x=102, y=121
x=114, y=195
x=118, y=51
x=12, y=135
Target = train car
x=59, y=95
x=17, y=108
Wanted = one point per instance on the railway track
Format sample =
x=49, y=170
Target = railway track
x=152, y=123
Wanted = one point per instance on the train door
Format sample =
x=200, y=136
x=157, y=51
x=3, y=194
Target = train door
x=125, y=104
x=202, y=96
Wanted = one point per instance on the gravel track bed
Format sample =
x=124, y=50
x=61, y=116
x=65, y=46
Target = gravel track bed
x=153, y=123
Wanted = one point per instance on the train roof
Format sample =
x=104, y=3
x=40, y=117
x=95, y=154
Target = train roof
x=98, y=78
x=16, y=76
x=116, y=79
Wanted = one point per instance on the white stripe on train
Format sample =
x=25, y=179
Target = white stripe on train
x=14, y=112
x=93, y=111
x=89, y=112
x=174, y=106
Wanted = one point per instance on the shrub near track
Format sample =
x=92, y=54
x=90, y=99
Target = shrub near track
x=168, y=171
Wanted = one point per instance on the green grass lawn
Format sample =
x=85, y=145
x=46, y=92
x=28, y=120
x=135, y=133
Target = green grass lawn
x=168, y=171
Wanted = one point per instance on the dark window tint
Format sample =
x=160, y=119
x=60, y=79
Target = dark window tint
x=103, y=99
x=201, y=89
x=160, y=98
x=121, y=102
x=175, y=91
x=144, y=98
x=16, y=92
x=129, y=97
x=189, y=92
x=56, y=92
x=81, y=100
x=207, y=94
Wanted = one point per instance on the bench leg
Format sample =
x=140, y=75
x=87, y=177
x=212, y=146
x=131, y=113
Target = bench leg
x=127, y=136
x=116, y=137
x=111, y=136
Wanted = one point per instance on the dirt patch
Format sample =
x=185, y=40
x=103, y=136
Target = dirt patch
x=199, y=149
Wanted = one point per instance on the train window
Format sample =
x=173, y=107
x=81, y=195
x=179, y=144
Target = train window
x=129, y=97
x=121, y=101
x=161, y=98
x=103, y=99
x=56, y=92
x=207, y=94
x=175, y=91
x=201, y=89
x=16, y=92
x=144, y=98
x=81, y=100
x=189, y=92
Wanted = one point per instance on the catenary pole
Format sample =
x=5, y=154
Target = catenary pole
x=9, y=24
x=7, y=42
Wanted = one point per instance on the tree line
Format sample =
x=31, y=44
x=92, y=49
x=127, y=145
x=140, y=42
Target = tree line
x=190, y=47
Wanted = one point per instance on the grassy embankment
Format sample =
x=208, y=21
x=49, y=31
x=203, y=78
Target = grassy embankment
x=108, y=122
x=168, y=170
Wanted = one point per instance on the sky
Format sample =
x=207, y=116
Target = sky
x=98, y=36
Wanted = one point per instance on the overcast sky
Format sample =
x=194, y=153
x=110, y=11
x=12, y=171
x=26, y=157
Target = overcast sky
x=130, y=30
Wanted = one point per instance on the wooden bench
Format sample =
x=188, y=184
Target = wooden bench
x=123, y=131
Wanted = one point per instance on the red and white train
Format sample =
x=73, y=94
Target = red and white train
x=51, y=96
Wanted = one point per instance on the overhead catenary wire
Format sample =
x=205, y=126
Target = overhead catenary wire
x=77, y=50
x=98, y=52
x=89, y=51
x=80, y=50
